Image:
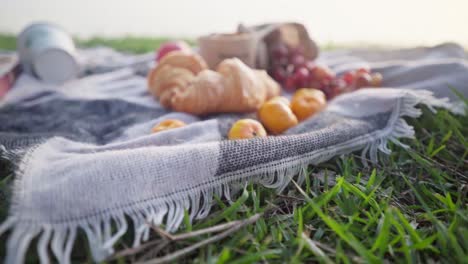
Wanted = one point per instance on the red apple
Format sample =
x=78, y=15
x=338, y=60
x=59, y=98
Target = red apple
x=167, y=47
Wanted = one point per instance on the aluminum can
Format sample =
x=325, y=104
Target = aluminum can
x=48, y=52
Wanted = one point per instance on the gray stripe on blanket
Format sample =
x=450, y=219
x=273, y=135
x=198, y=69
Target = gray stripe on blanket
x=323, y=130
x=95, y=121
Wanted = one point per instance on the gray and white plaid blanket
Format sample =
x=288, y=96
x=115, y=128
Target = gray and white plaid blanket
x=85, y=158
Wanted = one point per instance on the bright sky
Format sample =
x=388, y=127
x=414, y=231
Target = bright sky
x=393, y=22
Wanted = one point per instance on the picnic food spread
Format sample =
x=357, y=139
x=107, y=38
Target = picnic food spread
x=184, y=80
x=239, y=72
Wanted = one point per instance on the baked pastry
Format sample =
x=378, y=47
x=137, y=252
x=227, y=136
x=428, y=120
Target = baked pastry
x=183, y=82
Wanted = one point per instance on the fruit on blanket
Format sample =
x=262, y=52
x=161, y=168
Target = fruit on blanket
x=280, y=74
x=322, y=73
x=182, y=81
x=301, y=77
x=167, y=124
x=290, y=83
x=348, y=78
x=276, y=115
x=360, y=78
x=298, y=61
x=281, y=99
x=167, y=47
x=306, y=102
x=376, y=80
x=289, y=67
x=246, y=128
x=363, y=80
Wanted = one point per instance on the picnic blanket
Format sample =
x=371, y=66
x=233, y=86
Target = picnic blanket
x=85, y=157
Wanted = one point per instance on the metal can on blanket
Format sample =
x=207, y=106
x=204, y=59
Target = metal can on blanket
x=48, y=52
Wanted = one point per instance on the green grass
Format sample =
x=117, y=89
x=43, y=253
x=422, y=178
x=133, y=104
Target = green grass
x=7, y=42
x=133, y=44
x=128, y=44
x=412, y=207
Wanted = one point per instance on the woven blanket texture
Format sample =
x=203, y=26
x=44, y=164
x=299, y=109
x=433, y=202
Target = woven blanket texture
x=84, y=156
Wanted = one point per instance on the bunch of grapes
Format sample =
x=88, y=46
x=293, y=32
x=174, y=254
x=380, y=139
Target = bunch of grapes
x=292, y=70
x=360, y=78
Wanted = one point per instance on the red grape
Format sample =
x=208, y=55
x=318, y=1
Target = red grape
x=349, y=77
x=363, y=80
x=290, y=69
x=298, y=61
x=290, y=83
x=301, y=77
x=332, y=91
x=328, y=91
x=363, y=70
x=339, y=82
x=279, y=74
x=315, y=84
x=289, y=66
x=323, y=73
x=327, y=82
x=310, y=65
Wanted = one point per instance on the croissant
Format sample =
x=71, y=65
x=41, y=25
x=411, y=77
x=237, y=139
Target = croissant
x=183, y=82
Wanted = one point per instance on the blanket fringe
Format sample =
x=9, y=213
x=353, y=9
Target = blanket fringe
x=398, y=128
x=104, y=232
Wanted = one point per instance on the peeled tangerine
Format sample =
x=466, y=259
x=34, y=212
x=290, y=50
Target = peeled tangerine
x=307, y=102
x=168, y=124
x=276, y=115
x=246, y=128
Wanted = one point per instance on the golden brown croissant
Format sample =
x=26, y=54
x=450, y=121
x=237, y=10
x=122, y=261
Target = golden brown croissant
x=183, y=82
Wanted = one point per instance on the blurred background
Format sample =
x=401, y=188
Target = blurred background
x=373, y=22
